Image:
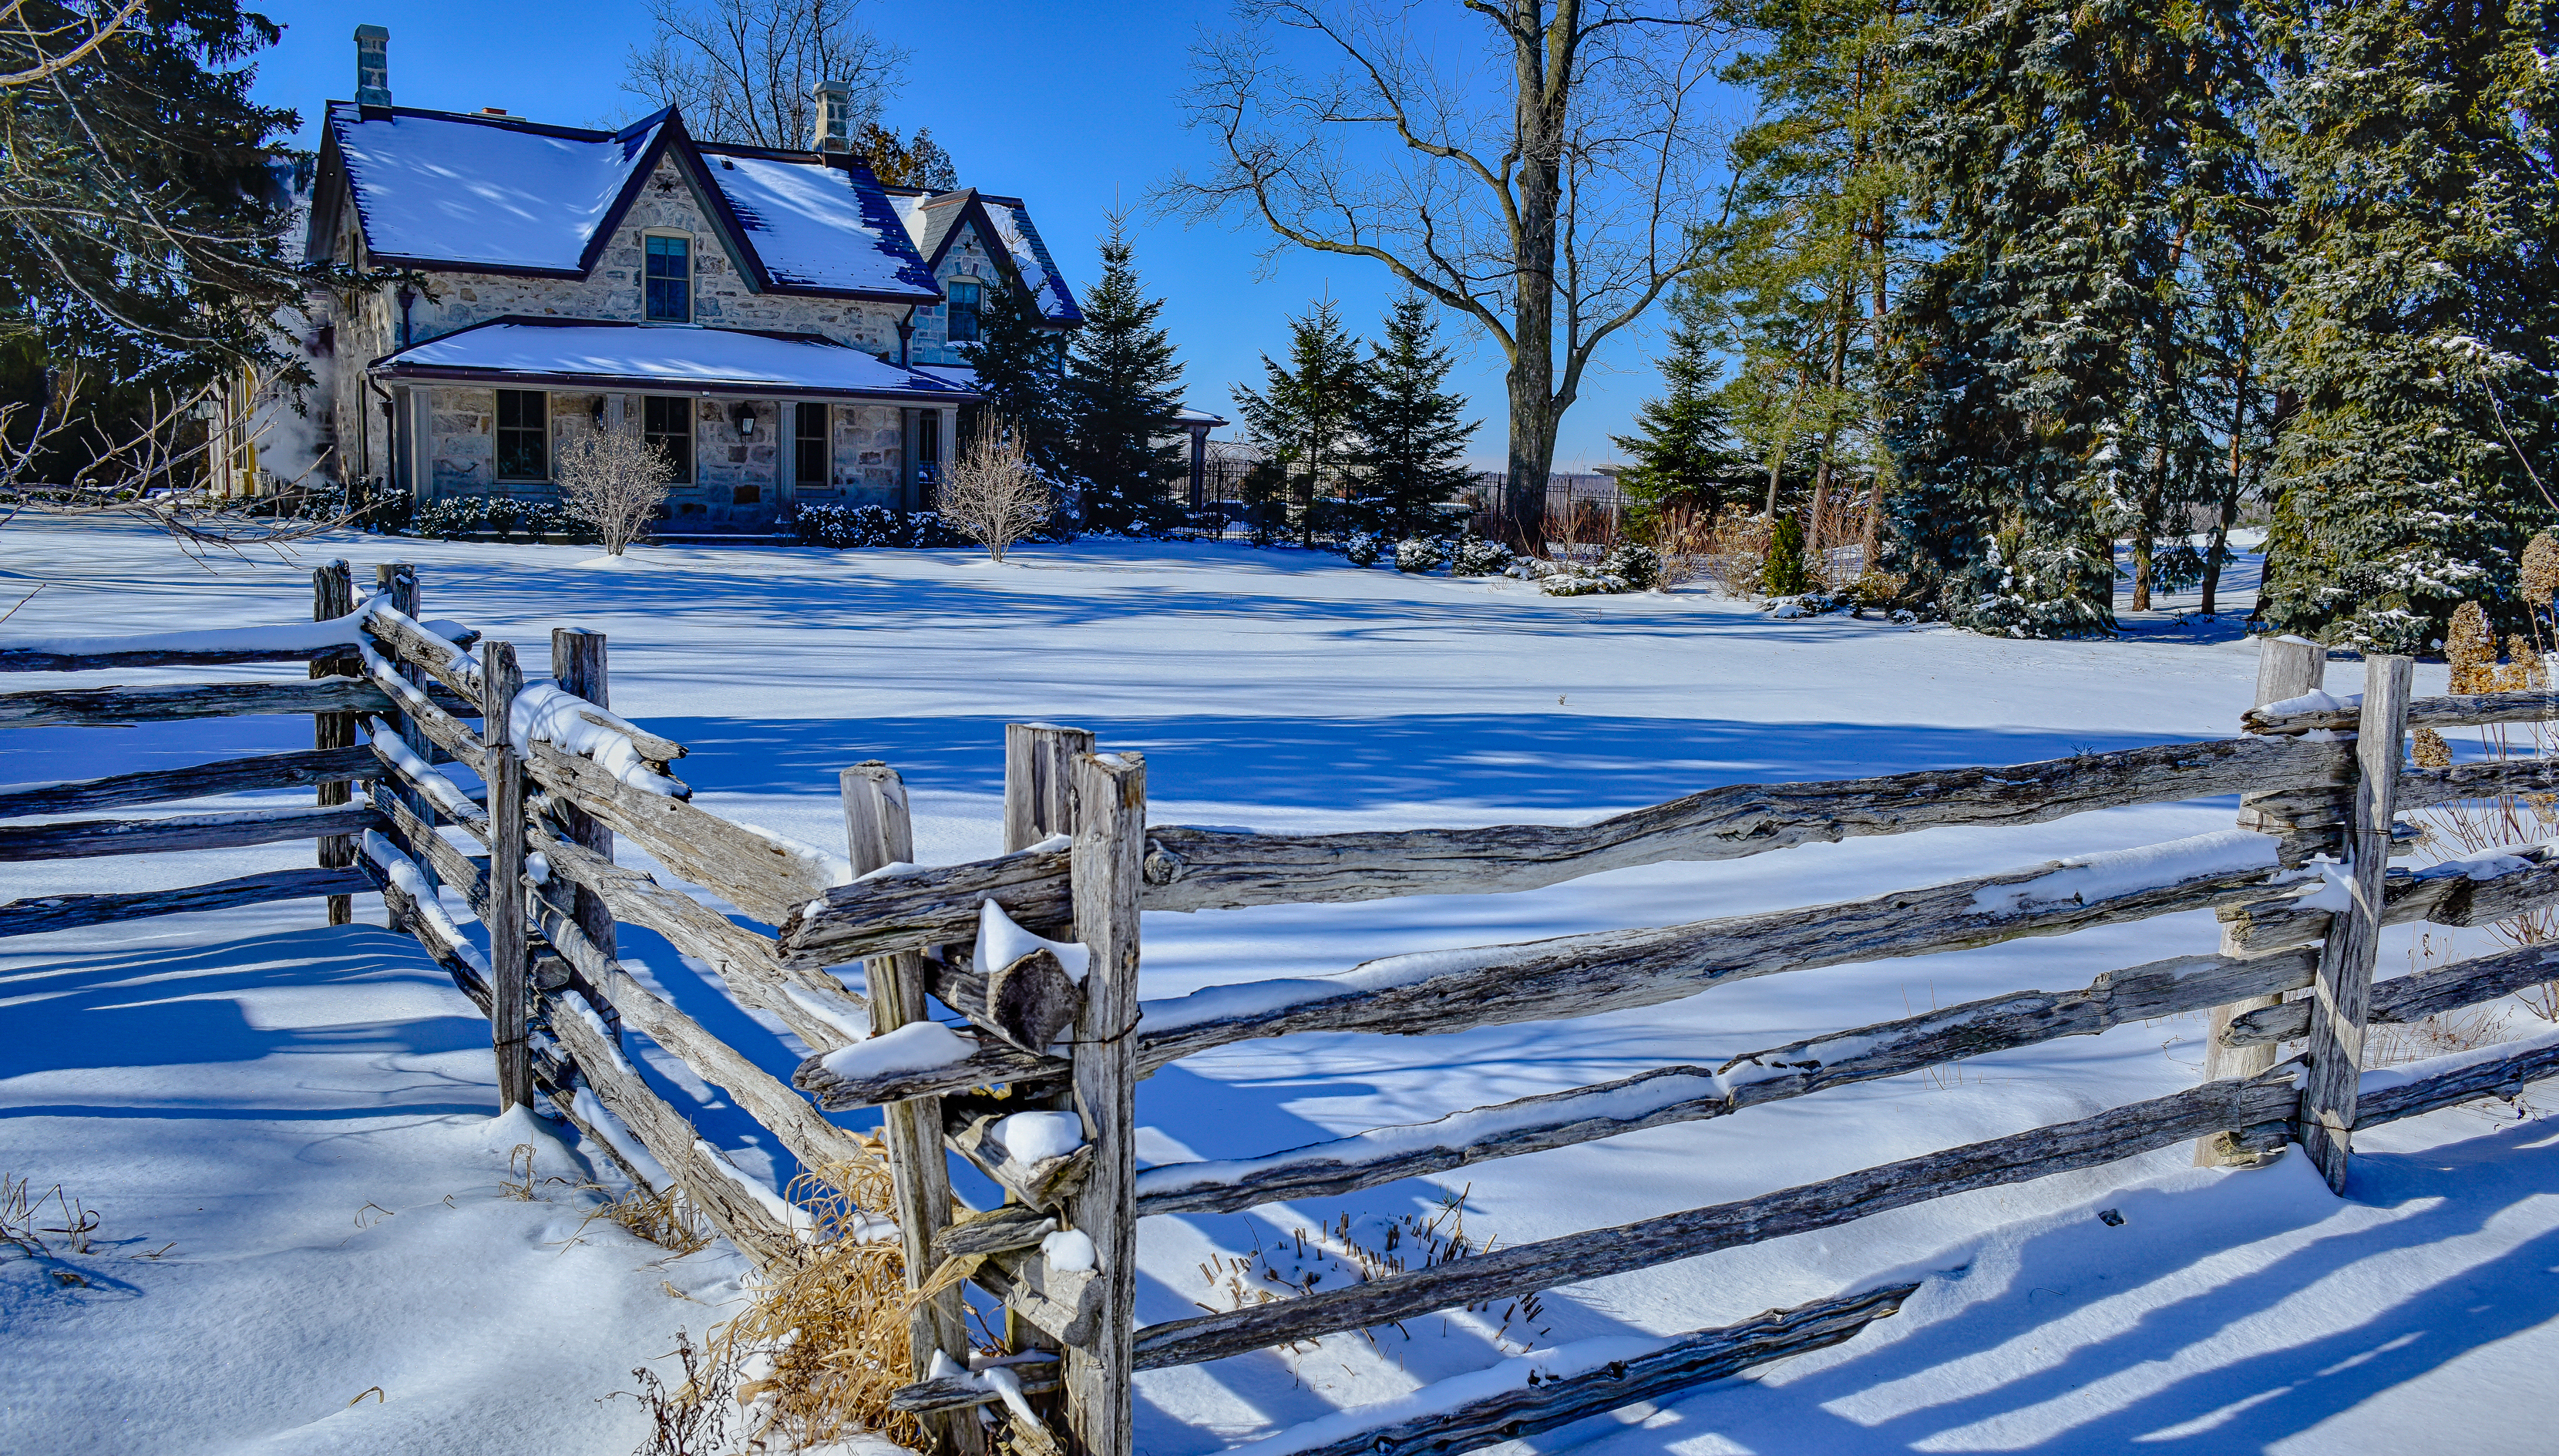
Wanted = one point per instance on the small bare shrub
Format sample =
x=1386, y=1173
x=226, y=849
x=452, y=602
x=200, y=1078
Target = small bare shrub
x=991, y=493
x=1731, y=550
x=693, y=1418
x=616, y=483
x=2471, y=827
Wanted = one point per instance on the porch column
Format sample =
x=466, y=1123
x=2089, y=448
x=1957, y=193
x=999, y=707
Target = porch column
x=906, y=452
x=1199, y=466
x=946, y=445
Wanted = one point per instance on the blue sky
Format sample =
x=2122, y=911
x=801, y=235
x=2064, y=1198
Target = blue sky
x=1071, y=106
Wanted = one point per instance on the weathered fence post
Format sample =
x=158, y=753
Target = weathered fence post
x=398, y=581
x=879, y=831
x=1039, y=769
x=2342, y=994
x=510, y=962
x=2287, y=668
x=578, y=666
x=1039, y=780
x=1108, y=867
x=333, y=595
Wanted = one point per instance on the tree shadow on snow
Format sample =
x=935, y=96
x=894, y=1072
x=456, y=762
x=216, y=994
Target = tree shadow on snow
x=1527, y=761
x=2246, y=1403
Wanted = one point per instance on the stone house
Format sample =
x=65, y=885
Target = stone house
x=784, y=325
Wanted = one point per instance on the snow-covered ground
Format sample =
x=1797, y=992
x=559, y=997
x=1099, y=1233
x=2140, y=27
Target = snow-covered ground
x=283, y=1128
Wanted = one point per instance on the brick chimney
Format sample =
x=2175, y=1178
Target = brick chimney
x=835, y=116
x=373, y=66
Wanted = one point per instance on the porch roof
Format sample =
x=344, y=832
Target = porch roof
x=591, y=355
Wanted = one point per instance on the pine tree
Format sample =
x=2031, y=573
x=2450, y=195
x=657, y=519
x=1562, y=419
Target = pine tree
x=141, y=227
x=1412, y=437
x=1683, y=451
x=1302, y=417
x=1120, y=382
x=2068, y=154
x=2422, y=303
x=1019, y=359
x=1816, y=237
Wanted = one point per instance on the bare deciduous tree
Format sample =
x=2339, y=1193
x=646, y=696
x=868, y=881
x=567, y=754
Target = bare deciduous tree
x=616, y=481
x=156, y=473
x=742, y=70
x=1544, y=183
x=40, y=46
x=990, y=494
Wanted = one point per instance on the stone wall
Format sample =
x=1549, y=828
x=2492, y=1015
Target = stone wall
x=739, y=482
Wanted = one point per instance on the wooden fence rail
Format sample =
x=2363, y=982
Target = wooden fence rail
x=1056, y=1030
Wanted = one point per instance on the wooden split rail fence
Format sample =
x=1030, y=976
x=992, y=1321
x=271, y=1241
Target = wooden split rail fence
x=2302, y=888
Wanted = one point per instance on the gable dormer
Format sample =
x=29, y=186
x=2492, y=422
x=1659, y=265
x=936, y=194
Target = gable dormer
x=966, y=224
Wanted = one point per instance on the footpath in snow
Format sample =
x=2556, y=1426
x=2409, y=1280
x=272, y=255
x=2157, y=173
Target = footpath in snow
x=282, y=1129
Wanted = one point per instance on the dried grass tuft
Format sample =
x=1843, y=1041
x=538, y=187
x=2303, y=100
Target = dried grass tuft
x=824, y=1342
x=663, y=1218
x=25, y=1223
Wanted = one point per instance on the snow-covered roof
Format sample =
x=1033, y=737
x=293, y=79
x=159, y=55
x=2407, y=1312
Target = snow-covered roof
x=933, y=220
x=447, y=189
x=436, y=187
x=1030, y=256
x=818, y=226
x=662, y=356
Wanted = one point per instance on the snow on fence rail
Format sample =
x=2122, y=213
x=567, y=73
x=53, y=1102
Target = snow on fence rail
x=1034, y=954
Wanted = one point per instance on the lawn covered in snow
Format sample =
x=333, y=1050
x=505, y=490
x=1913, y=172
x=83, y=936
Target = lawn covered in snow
x=283, y=1128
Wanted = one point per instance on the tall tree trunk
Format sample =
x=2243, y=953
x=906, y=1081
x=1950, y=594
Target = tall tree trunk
x=1816, y=544
x=2229, y=486
x=1541, y=53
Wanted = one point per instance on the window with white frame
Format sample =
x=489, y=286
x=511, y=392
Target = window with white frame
x=667, y=279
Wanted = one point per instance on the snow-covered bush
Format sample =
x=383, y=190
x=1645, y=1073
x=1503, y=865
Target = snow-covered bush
x=925, y=529
x=1574, y=582
x=1476, y=556
x=1362, y=548
x=825, y=524
x=501, y=511
x=1640, y=566
x=1419, y=554
x=1532, y=568
x=449, y=517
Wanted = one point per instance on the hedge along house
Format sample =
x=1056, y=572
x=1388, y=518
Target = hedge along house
x=761, y=315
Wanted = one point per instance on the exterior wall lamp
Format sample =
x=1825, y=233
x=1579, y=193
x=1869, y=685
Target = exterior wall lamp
x=745, y=416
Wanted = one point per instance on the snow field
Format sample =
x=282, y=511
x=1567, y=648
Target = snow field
x=1286, y=691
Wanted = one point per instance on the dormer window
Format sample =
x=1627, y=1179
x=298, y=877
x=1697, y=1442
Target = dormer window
x=963, y=312
x=669, y=279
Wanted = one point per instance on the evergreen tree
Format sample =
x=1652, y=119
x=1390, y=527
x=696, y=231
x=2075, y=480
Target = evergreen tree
x=1816, y=237
x=1302, y=417
x=1412, y=437
x=1683, y=450
x=1120, y=378
x=2422, y=303
x=141, y=224
x=2067, y=155
x=902, y=162
x=1019, y=359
